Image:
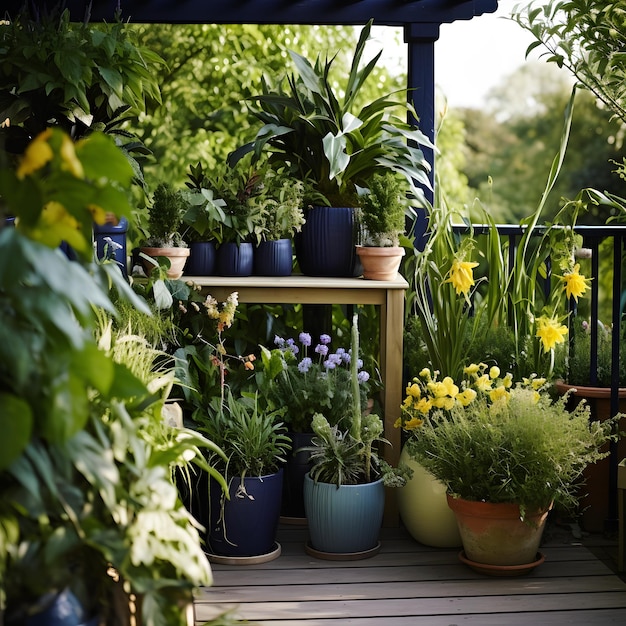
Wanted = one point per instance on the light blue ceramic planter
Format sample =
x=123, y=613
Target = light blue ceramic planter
x=346, y=519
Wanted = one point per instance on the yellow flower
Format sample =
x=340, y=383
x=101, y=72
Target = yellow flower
x=36, y=155
x=423, y=405
x=483, y=383
x=575, y=283
x=499, y=393
x=413, y=390
x=68, y=156
x=461, y=276
x=472, y=369
x=425, y=373
x=507, y=381
x=413, y=423
x=550, y=332
x=466, y=397
x=494, y=372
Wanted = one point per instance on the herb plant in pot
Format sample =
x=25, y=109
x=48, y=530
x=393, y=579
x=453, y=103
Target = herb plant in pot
x=283, y=217
x=344, y=492
x=306, y=379
x=332, y=140
x=383, y=215
x=507, y=453
x=164, y=240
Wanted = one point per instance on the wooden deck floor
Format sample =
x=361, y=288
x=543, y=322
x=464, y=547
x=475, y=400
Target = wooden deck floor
x=408, y=584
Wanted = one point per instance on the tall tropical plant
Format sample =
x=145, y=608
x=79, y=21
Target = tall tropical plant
x=324, y=136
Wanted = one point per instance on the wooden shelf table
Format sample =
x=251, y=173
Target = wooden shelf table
x=298, y=289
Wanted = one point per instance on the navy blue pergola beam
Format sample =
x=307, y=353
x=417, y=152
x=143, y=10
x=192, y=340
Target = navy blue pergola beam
x=421, y=20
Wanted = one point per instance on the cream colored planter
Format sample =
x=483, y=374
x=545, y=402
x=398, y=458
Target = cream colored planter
x=424, y=508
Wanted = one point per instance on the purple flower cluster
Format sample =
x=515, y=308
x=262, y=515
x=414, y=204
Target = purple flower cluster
x=328, y=360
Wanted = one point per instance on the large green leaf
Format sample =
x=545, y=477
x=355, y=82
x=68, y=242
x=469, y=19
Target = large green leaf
x=16, y=422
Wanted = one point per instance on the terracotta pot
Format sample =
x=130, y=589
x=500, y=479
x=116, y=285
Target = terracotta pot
x=177, y=257
x=380, y=263
x=424, y=509
x=494, y=534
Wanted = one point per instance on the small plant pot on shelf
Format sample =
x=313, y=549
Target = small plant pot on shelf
x=235, y=259
x=176, y=256
x=202, y=258
x=273, y=258
x=380, y=263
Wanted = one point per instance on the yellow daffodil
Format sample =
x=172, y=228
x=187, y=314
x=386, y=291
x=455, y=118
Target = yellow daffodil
x=413, y=390
x=466, y=397
x=471, y=370
x=36, y=155
x=425, y=373
x=575, y=284
x=498, y=394
x=483, y=383
x=461, y=276
x=507, y=381
x=413, y=423
x=494, y=372
x=550, y=332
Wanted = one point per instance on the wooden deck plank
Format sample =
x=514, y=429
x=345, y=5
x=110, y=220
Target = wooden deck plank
x=414, y=585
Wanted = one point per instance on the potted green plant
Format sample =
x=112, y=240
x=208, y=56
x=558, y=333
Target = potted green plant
x=322, y=134
x=344, y=492
x=384, y=209
x=242, y=521
x=164, y=239
x=86, y=461
x=306, y=379
x=507, y=453
x=282, y=199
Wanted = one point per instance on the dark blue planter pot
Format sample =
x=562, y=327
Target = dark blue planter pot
x=273, y=258
x=344, y=520
x=297, y=467
x=327, y=244
x=111, y=242
x=202, y=259
x=61, y=609
x=235, y=260
x=247, y=524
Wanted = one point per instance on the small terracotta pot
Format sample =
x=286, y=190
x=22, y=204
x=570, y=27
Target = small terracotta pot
x=177, y=257
x=380, y=263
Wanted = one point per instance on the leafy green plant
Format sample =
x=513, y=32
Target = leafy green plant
x=319, y=134
x=491, y=439
x=384, y=209
x=86, y=462
x=80, y=77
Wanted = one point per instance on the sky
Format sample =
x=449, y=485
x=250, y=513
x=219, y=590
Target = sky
x=473, y=56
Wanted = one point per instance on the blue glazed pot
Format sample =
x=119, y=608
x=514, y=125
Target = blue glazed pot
x=111, y=242
x=327, y=244
x=273, y=258
x=346, y=519
x=235, y=260
x=61, y=609
x=202, y=258
x=246, y=524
